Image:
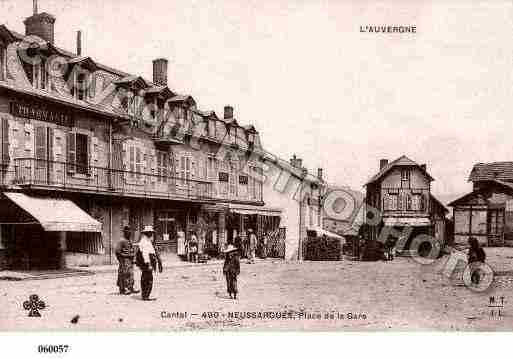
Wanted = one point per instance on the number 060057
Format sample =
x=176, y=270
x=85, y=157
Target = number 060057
x=52, y=349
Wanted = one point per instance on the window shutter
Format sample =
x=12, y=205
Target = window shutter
x=5, y=141
x=71, y=152
x=90, y=162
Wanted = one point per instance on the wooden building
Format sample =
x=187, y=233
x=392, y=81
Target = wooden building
x=401, y=194
x=486, y=213
x=115, y=148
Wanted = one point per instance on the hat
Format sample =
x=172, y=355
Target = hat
x=230, y=248
x=126, y=228
x=147, y=229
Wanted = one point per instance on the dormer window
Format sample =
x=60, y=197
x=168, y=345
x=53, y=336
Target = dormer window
x=37, y=74
x=3, y=62
x=81, y=86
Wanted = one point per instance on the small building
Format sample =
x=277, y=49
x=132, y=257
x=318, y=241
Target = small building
x=401, y=193
x=298, y=194
x=486, y=213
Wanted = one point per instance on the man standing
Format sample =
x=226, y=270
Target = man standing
x=147, y=260
x=125, y=253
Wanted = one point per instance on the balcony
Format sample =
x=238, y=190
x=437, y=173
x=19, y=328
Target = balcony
x=34, y=173
x=411, y=202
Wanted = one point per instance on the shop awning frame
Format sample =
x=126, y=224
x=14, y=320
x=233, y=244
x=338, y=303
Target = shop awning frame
x=55, y=214
x=251, y=210
x=401, y=221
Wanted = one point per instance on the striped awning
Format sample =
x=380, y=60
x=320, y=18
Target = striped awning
x=56, y=214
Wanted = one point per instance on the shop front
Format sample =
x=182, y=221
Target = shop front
x=35, y=230
x=264, y=222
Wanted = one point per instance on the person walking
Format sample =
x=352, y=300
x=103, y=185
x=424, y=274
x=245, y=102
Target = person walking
x=193, y=248
x=125, y=254
x=148, y=259
x=231, y=269
x=237, y=242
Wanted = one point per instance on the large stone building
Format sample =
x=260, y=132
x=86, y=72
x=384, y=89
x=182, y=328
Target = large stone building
x=87, y=149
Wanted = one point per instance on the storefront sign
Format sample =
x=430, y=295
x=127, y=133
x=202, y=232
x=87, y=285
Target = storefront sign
x=41, y=114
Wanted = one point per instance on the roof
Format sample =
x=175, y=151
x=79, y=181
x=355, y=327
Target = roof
x=492, y=171
x=437, y=201
x=6, y=34
x=401, y=161
x=505, y=185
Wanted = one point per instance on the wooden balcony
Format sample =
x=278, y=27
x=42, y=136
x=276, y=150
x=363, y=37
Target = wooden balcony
x=405, y=202
x=42, y=174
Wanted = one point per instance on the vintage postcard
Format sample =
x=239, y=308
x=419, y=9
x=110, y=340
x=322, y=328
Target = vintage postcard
x=263, y=165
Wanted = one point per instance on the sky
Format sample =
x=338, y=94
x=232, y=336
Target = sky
x=313, y=85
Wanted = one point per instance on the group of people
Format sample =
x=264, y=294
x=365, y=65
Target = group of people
x=247, y=246
x=145, y=255
x=189, y=248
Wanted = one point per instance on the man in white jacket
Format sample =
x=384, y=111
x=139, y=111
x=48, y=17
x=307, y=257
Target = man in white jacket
x=148, y=259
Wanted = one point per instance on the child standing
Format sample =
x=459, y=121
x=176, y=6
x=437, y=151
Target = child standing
x=231, y=269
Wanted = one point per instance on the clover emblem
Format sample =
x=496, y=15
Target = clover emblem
x=34, y=305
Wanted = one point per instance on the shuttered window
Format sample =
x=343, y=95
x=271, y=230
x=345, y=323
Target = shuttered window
x=40, y=147
x=5, y=142
x=3, y=61
x=82, y=153
x=135, y=161
x=163, y=165
x=78, y=148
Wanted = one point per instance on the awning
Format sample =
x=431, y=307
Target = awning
x=320, y=231
x=264, y=211
x=413, y=222
x=56, y=214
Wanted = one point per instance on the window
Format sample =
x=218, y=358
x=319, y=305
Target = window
x=135, y=162
x=81, y=87
x=82, y=153
x=243, y=180
x=390, y=202
x=405, y=178
x=37, y=74
x=78, y=149
x=408, y=202
x=3, y=62
x=185, y=169
x=223, y=177
x=163, y=166
x=234, y=174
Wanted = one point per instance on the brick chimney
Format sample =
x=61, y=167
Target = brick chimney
x=423, y=167
x=382, y=163
x=79, y=43
x=228, y=112
x=41, y=25
x=319, y=173
x=160, y=71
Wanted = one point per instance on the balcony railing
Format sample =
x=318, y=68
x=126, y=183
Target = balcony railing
x=405, y=200
x=62, y=175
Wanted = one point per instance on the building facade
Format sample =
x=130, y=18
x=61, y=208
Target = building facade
x=298, y=194
x=401, y=194
x=91, y=149
x=486, y=213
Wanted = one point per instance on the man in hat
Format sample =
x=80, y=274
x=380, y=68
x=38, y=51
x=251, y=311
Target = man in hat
x=252, y=245
x=147, y=260
x=231, y=269
x=125, y=253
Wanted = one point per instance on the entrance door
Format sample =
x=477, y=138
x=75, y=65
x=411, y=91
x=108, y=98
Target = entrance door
x=496, y=226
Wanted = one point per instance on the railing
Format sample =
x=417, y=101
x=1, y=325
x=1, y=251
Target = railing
x=35, y=172
x=410, y=200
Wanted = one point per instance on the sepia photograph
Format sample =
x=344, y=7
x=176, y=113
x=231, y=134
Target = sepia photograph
x=255, y=166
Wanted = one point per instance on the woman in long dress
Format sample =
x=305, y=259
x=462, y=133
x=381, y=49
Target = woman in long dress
x=181, y=243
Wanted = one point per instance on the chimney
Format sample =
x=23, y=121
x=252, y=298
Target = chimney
x=41, y=25
x=79, y=43
x=293, y=161
x=228, y=112
x=319, y=173
x=299, y=163
x=423, y=167
x=160, y=71
x=382, y=163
